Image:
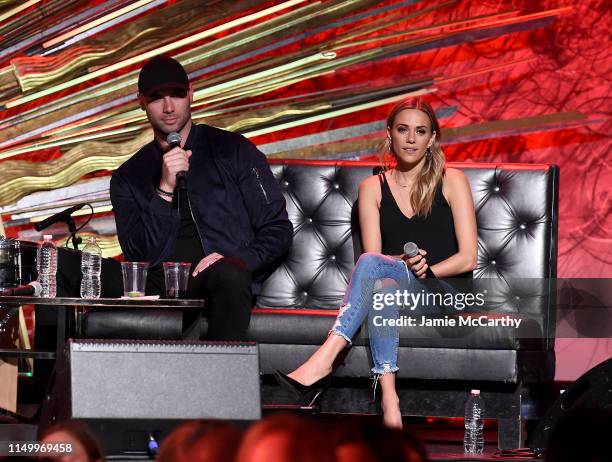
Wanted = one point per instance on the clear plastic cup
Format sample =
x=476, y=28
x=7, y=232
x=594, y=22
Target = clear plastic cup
x=134, y=278
x=176, y=275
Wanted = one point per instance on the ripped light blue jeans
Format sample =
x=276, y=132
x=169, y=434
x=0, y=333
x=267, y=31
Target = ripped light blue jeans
x=375, y=273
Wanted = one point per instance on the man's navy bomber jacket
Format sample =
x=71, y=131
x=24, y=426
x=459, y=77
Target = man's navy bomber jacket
x=236, y=204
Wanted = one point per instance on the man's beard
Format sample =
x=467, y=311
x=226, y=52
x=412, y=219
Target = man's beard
x=161, y=129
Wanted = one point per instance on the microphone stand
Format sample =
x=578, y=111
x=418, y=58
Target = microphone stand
x=72, y=228
x=66, y=217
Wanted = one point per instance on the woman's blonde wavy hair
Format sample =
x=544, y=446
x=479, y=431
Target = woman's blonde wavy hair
x=424, y=190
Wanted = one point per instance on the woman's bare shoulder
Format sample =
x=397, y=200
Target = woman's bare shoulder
x=454, y=179
x=370, y=187
x=454, y=183
x=370, y=182
x=454, y=175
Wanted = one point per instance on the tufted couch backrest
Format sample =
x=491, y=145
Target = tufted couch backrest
x=516, y=211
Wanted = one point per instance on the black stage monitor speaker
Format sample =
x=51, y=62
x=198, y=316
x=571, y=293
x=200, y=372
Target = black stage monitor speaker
x=125, y=379
x=129, y=391
x=593, y=389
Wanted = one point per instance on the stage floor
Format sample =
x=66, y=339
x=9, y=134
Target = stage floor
x=443, y=439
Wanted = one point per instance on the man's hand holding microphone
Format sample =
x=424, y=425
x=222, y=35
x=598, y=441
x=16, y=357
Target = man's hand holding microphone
x=175, y=165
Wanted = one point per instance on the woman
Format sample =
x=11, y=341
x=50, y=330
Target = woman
x=418, y=200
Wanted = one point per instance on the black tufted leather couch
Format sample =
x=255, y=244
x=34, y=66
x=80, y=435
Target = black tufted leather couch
x=516, y=207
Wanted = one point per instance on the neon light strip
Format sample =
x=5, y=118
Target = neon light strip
x=339, y=112
x=442, y=80
x=18, y=9
x=56, y=29
x=471, y=22
x=215, y=89
x=103, y=27
x=38, y=146
x=97, y=22
x=155, y=52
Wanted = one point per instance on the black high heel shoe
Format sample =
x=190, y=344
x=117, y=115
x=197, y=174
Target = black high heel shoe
x=306, y=395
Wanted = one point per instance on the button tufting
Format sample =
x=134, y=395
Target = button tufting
x=516, y=297
x=523, y=226
x=496, y=188
x=305, y=294
x=493, y=262
x=285, y=183
x=332, y=257
x=308, y=220
x=336, y=185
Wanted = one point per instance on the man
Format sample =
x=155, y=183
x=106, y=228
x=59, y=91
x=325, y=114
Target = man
x=230, y=221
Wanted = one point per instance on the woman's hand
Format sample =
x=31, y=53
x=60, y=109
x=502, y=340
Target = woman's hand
x=417, y=264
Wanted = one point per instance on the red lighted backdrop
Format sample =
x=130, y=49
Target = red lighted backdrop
x=512, y=81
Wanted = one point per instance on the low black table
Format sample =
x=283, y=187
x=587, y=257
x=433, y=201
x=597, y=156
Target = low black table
x=80, y=305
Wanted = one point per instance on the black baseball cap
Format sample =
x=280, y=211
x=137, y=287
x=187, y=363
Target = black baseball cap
x=162, y=73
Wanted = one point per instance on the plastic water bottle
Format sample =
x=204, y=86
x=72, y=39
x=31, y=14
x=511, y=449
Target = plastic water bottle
x=46, y=265
x=91, y=264
x=473, y=439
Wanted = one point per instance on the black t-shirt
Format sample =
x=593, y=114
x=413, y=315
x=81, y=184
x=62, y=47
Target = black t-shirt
x=188, y=246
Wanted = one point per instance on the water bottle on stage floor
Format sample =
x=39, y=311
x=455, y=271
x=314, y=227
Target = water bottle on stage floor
x=473, y=439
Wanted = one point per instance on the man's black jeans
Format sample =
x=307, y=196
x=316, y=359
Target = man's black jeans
x=226, y=287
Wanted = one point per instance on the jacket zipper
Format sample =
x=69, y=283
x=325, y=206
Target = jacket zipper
x=263, y=191
x=195, y=223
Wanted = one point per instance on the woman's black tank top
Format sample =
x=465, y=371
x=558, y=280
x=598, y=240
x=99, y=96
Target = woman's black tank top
x=434, y=233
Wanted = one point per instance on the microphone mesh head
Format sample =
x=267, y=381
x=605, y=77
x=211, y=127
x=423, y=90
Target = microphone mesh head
x=411, y=249
x=173, y=139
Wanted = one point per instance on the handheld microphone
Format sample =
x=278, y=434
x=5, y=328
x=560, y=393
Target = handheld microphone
x=174, y=140
x=32, y=288
x=412, y=250
x=60, y=216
